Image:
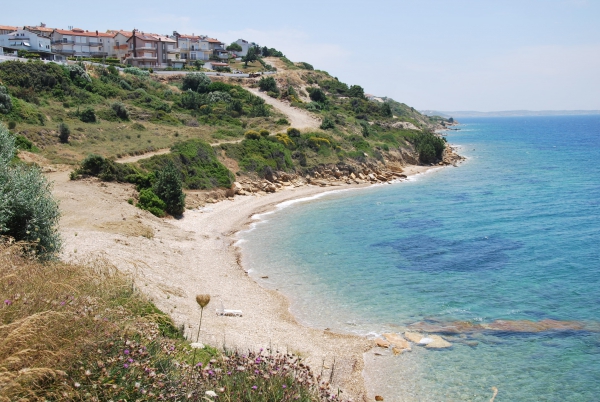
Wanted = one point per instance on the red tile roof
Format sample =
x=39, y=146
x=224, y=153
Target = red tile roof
x=119, y=31
x=211, y=40
x=189, y=37
x=8, y=28
x=81, y=32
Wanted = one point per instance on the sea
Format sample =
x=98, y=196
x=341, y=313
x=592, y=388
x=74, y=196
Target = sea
x=510, y=236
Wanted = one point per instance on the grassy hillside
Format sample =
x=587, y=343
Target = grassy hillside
x=71, y=112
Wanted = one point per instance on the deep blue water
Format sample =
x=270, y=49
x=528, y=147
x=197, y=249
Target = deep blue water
x=513, y=234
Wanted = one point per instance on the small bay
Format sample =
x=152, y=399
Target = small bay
x=512, y=234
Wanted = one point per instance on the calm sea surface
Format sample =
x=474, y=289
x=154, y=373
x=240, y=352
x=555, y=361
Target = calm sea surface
x=511, y=234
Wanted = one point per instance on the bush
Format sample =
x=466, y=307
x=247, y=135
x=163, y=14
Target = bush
x=356, y=91
x=327, y=124
x=282, y=122
x=192, y=100
x=150, y=202
x=120, y=110
x=12, y=125
x=168, y=189
x=88, y=115
x=429, y=146
x=136, y=71
x=198, y=82
x=268, y=84
x=317, y=95
x=293, y=132
x=28, y=211
x=5, y=101
x=252, y=135
x=63, y=133
x=305, y=65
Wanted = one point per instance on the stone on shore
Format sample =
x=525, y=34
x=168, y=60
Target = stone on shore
x=382, y=343
x=398, y=341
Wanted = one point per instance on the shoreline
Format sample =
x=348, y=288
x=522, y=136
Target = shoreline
x=173, y=260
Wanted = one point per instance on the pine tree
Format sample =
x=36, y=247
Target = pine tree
x=168, y=188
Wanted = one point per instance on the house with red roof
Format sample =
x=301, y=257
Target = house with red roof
x=153, y=50
x=7, y=29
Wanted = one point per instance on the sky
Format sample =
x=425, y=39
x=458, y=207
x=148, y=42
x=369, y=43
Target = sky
x=448, y=55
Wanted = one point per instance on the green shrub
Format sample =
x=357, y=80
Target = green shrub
x=356, y=91
x=12, y=125
x=120, y=110
x=197, y=163
x=125, y=85
x=282, y=122
x=305, y=65
x=150, y=202
x=136, y=71
x=24, y=144
x=293, y=132
x=252, y=135
x=327, y=124
x=264, y=133
x=88, y=115
x=5, y=101
x=317, y=95
x=268, y=84
x=198, y=82
x=63, y=133
x=259, y=154
x=429, y=146
x=28, y=211
x=138, y=127
x=104, y=169
x=168, y=188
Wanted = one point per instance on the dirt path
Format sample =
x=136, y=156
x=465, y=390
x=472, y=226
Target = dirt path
x=131, y=159
x=298, y=118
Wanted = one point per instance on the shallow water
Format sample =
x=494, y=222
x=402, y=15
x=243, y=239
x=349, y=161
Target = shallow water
x=512, y=234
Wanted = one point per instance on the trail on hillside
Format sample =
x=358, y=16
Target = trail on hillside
x=298, y=118
x=132, y=159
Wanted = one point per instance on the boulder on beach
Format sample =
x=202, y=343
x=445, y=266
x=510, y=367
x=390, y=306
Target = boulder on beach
x=382, y=343
x=398, y=341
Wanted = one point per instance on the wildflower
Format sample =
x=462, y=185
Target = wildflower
x=88, y=372
x=283, y=386
x=126, y=351
x=199, y=365
x=137, y=385
x=7, y=302
x=126, y=365
x=77, y=385
x=254, y=387
x=211, y=393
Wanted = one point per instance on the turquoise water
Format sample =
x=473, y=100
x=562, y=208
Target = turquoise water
x=511, y=234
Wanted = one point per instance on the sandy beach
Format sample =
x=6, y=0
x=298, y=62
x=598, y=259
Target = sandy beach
x=173, y=260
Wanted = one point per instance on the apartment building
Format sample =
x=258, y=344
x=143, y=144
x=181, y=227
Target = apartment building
x=76, y=42
x=22, y=39
x=153, y=50
x=192, y=47
x=120, y=48
x=6, y=29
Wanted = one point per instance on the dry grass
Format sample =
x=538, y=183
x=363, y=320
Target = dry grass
x=81, y=333
x=51, y=315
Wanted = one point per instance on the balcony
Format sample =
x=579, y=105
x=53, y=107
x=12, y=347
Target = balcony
x=99, y=54
x=141, y=58
x=95, y=43
x=63, y=42
x=174, y=50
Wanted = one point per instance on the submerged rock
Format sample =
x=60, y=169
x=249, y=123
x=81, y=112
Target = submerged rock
x=437, y=342
x=414, y=337
x=382, y=343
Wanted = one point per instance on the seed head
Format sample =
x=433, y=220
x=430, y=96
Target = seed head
x=202, y=300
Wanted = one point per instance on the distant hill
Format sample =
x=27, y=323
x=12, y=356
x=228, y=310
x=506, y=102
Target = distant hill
x=510, y=113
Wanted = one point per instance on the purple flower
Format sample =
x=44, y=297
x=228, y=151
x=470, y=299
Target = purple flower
x=229, y=373
x=254, y=387
x=283, y=386
x=8, y=302
x=62, y=303
x=126, y=351
x=199, y=365
x=126, y=365
x=130, y=360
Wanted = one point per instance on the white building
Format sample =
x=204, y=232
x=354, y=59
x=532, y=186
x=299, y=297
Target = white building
x=79, y=43
x=29, y=41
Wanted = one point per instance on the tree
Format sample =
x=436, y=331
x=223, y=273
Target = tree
x=251, y=56
x=356, y=91
x=317, y=95
x=5, y=101
x=197, y=82
x=234, y=47
x=63, y=133
x=198, y=64
x=28, y=212
x=168, y=188
x=386, y=110
x=120, y=110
